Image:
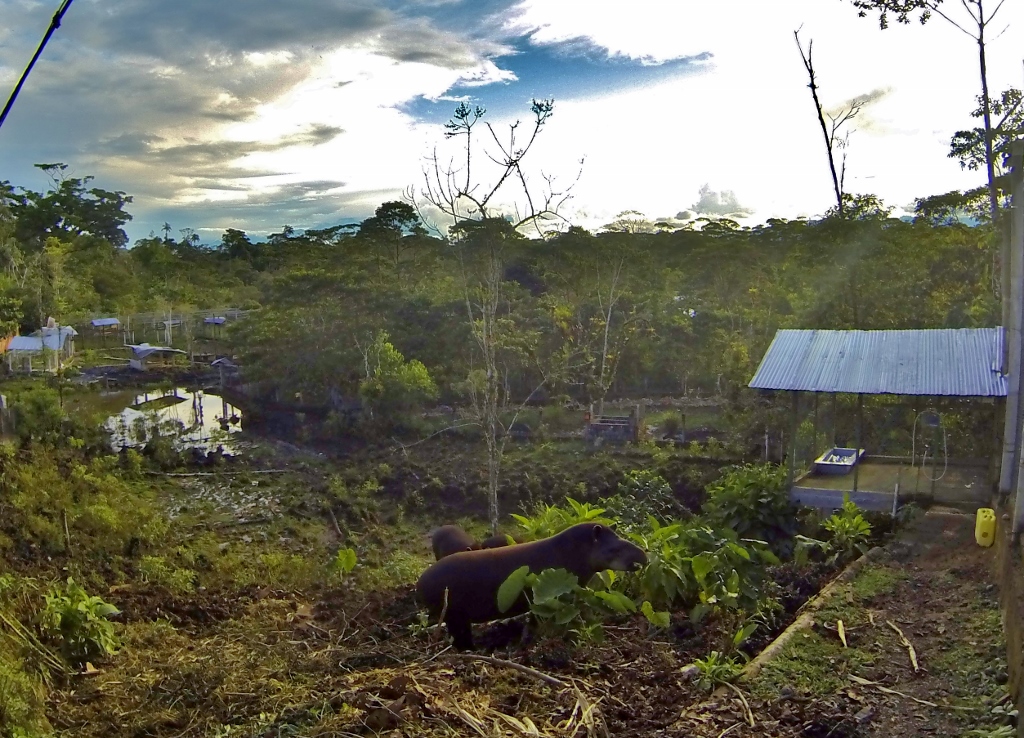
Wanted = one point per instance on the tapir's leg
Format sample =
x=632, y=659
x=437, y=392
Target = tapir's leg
x=461, y=633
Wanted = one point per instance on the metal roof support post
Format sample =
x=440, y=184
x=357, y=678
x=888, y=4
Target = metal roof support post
x=1008, y=470
x=1013, y=422
x=856, y=450
x=794, y=430
x=834, y=413
x=814, y=439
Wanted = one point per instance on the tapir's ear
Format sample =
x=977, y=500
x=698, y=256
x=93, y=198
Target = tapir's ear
x=598, y=531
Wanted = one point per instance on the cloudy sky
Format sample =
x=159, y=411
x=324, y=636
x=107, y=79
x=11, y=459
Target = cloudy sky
x=256, y=114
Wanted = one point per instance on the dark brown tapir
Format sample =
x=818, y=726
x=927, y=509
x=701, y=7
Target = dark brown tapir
x=450, y=539
x=472, y=578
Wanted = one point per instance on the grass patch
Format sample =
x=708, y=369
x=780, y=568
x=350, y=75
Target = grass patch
x=811, y=664
x=972, y=662
x=873, y=581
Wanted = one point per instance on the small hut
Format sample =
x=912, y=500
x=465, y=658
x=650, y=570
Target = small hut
x=45, y=350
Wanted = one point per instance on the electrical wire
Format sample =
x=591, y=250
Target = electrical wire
x=54, y=25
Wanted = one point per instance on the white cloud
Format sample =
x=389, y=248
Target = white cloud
x=229, y=89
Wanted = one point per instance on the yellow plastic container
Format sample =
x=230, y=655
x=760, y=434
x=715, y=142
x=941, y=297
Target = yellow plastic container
x=985, y=527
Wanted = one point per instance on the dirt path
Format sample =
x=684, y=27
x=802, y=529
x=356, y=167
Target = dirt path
x=934, y=585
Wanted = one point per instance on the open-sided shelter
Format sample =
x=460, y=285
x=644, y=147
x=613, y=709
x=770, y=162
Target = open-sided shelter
x=44, y=350
x=145, y=357
x=936, y=363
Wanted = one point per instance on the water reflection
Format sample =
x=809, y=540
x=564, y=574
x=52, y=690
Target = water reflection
x=193, y=419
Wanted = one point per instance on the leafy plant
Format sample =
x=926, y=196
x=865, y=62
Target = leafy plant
x=550, y=520
x=642, y=494
x=701, y=568
x=849, y=531
x=155, y=569
x=78, y=623
x=753, y=501
x=343, y=562
x=657, y=619
x=563, y=607
x=716, y=669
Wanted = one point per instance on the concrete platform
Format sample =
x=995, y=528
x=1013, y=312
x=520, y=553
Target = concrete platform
x=961, y=487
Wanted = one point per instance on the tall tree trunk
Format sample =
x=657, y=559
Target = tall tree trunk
x=607, y=329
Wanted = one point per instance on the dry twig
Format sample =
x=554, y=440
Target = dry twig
x=746, y=705
x=546, y=678
x=880, y=688
x=907, y=643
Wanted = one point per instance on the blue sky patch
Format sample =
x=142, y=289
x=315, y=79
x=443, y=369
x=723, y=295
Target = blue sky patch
x=565, y=71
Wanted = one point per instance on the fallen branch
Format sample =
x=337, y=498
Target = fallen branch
x=907, y=643
x=880, y=688
x=334, y=522
x=746, y=705
x=29, y=639
x=67, y=532
x=730, y=729
x=546, y=678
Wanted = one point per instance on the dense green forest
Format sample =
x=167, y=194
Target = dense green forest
x=634, y=308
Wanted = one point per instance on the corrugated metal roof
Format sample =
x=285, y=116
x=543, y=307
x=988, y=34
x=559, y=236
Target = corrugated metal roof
x=961, y=362
x=215, y=321
x=143, y=350
x=103, y=322
x=26, y=343
x=47, y=337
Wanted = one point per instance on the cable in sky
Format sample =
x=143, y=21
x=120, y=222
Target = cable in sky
x=54, y=25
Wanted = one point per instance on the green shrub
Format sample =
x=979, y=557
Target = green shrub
x=641, y=495
x=848, y=531
x=564, y=609
x=701, y=568
x=753, y=500
x=157, y=570
x=716, y=669
x=78, y=623
x=549, y=520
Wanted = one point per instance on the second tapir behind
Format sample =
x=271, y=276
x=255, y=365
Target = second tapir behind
x=451, y=539
x=471, y=579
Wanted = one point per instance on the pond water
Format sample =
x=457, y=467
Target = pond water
x=193, y=419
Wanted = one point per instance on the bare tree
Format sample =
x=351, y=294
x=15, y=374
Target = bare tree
x=975, y=27
x=838, y=118
x=480, y=227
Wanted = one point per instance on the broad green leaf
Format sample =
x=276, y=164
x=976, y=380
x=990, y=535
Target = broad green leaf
x=657, y=619
x=566, y=614
x=617, y=601
x=702, y=564
x=553, y=583
x=511, y=588
x=743, y=634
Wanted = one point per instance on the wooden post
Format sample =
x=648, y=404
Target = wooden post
x=794, y=428
x=1015, y=419
x=1012, y=314
x=856, y=450
x=998, y=405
